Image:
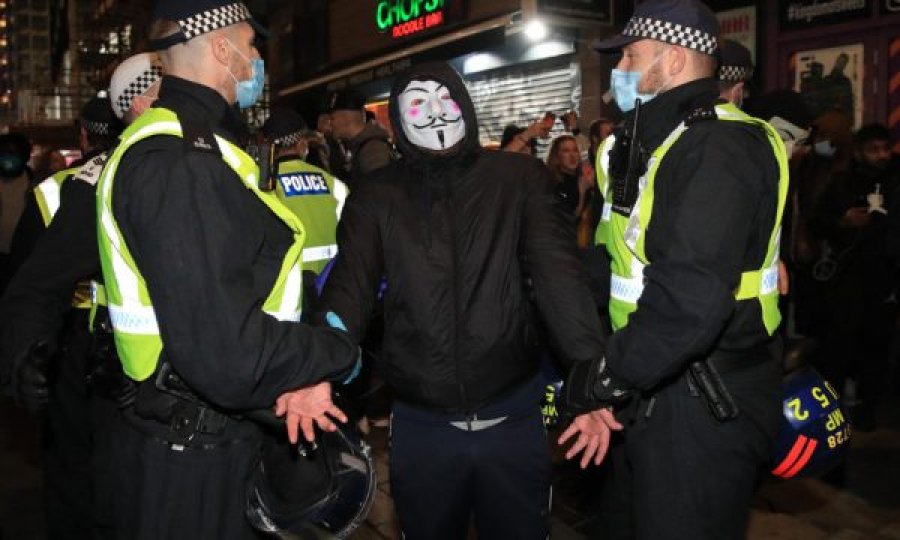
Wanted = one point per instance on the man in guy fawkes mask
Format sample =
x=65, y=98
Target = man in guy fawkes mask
x=462, y=235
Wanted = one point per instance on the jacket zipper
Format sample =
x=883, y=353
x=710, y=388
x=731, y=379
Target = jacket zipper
x=456, y=307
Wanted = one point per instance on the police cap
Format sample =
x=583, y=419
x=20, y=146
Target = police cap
x=686, y=23
x=786, y=104
x=284, y=127
x=133, y=78
x=735, y=63
x=98, y=118
x=346, y=100
x=198, y=17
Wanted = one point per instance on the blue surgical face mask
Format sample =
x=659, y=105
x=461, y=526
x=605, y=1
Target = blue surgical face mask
x=248, y=92
x=824, y=148
x=624, y=87
x=11, y=165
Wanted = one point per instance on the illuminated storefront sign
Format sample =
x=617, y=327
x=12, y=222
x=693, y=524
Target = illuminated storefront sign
x=407, y=17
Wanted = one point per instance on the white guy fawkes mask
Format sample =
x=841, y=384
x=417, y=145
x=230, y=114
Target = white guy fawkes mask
x=431, y=118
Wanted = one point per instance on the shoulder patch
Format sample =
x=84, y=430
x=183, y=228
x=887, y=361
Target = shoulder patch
x=303, y=183
x=700, y=114
x=199, y=137
x=90, y=171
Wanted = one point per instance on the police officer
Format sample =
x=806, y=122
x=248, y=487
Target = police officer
x=55, y=376
x=203, y=280
x=97, y=130
x=314, y=196
x=735, y=69
x=696, y=191
x=37, y=304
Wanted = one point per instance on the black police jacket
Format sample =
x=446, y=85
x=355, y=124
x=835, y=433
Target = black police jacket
x=459, y=239
x=714, y=207
x=40, y=294
x=210, y=252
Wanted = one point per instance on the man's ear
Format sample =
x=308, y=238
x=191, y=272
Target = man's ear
x=139, y=104
x=220, y=49
x=677, y=60
x=737, y=93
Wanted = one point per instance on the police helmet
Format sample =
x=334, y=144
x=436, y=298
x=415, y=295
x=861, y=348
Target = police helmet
x=815, y=434
x=325, y=492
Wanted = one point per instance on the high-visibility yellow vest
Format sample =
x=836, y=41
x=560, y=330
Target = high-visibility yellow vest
x=317, y=198
x=47, y=196
x=624, y=236
x=136, y=331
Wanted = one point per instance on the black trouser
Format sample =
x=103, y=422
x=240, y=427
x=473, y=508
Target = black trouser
x=859, y=339
x=191, y=489
x=680, y=474
x=75, y=441
x=442, y=476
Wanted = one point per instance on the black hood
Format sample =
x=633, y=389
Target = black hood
x=446, y=75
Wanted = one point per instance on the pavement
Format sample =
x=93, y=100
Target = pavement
x=866, y=507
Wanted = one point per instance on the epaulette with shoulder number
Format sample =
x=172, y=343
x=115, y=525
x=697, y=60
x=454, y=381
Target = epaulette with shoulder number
x=90, y=171
x=700, y=114
x=199, y=137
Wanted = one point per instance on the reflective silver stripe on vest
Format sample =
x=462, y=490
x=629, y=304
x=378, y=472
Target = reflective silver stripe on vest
x=320, y=253
x=134, y=320
x=341, y=191
x=626, y=289
x=630, y=290
x=50, y=191
x=769, y=279
x=607, y=211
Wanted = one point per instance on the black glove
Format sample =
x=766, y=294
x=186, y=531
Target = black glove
x=32, y=386
x=591, y=386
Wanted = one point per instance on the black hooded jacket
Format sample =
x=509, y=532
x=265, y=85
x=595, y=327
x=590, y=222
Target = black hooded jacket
x=460, y=237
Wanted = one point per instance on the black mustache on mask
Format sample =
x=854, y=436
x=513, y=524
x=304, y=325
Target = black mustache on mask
x=434, y=123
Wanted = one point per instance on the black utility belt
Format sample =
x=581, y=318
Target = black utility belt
x=166, y=399
x=163, y=435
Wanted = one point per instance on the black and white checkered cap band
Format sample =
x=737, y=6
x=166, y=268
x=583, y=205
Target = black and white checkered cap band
x=669, y=32
x=734, y=73
x=290, y=140
x=137, y=87
x=96, y=128
x=213, y=19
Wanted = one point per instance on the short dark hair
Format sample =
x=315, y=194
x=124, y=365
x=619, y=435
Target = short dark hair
x=510, y=132
x=871, y=132
x=594, y=129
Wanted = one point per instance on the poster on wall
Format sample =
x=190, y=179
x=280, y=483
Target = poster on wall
x=739, y=25
x=894, y=93
x=832, y=79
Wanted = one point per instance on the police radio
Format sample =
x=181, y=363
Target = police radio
x=264, y=156
x=625, y=183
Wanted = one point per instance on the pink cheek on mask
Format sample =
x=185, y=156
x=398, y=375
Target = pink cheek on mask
x=454, y=106
x=414, y=112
